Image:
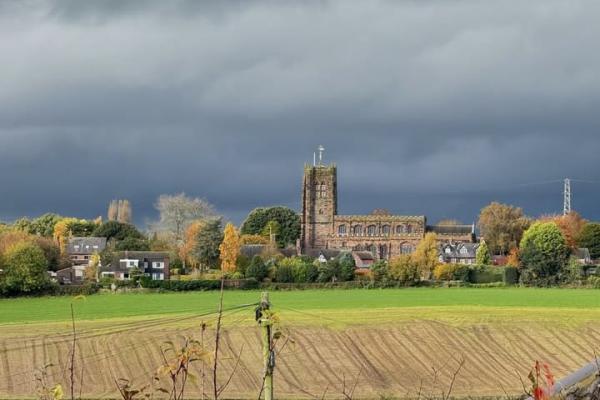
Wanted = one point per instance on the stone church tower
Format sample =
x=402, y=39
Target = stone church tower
x=319, y=205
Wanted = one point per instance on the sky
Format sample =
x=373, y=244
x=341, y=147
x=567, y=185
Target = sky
x=428, y=108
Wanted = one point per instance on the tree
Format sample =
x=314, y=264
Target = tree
x=229, y=249
x=482, y=257
x=257, y=269
x=186, y=251
x=543, y=252
x=113, y=210
x=208, y=240
x=513, y=259
x=117, y=231
x=288, y=220
x=44, y=224
x=347, y=266
x=24, y=269
x=571, y=226
x=403, y=269
x=590, y=239
x=253, y=239
x=91, y=272
x=502, y=226
x=271, y=230
x=178, y=211
x=124, y=212
x=132, y=244
x=61, y=234
x=426, y=255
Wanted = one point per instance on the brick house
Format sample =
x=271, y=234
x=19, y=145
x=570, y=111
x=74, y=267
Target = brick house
x=153, y=264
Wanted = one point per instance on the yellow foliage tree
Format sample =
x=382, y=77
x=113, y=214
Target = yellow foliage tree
x=62, y=232
x=91, y=272
x=253, y=239
x=186, y=251
x=426, y=255
x=229, y=248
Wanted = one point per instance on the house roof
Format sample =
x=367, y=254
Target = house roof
x=460, y=250
x=364, y=255
x=140, y=255
x=327, y=253
x=582, y=253
x=86, y=245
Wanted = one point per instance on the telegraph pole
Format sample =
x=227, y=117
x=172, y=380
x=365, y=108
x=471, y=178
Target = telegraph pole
x=264, y=320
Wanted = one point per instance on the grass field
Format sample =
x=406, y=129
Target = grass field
x=393, y=337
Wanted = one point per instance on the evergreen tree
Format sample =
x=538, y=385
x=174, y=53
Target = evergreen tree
x=483, y=254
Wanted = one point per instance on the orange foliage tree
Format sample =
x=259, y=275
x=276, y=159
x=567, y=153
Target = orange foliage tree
x=186, y=252
x=229, y=248
x=570, y=225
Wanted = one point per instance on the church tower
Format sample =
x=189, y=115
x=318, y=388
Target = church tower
x=319, y=203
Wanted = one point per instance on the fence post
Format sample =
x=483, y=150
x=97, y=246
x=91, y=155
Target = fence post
x=264, y=320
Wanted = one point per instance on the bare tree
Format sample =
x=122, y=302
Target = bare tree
x=177, y=212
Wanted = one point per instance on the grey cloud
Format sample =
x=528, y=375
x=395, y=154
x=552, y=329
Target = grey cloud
x=427, y=107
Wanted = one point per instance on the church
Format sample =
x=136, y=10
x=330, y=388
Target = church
x=379, y=233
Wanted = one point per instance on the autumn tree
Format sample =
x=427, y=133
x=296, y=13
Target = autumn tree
x=426, y=255
x=113, y=210
x=186, y=251
x=513, y=258
x=571, y=225
x=125, y=215
x=229, y=248
x=502, y=226
x=91, y=272
x=177, y=212
x=403, y=269
x=25, y=269
x=253, y=239
x=61, y=234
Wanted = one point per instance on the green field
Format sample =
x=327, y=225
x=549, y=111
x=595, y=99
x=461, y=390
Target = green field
x=106, y=306
x=391, y=337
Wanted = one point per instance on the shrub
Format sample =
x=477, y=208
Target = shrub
x=257, y=269
x=451, y=272
x=485, y=274
x=402, y=269
x=379, y=271
x=594, y=281
x=284, y=274
x=510, y=275
x=543, y=252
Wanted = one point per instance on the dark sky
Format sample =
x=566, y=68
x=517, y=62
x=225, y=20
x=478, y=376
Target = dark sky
x=428, y=107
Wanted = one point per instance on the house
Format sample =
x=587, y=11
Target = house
x=74, y=275
x=153, y=264
x=363, y=259
x=582, y=255
x=459, y=253
x=80, y=249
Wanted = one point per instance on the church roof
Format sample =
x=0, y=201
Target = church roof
x=451, y=229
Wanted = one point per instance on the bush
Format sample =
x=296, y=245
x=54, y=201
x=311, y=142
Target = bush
x=257, y=269
x=183, y=286
x=485, y=274
x=451, y=272
x=379, y=271
x=25, y=267
x=510, y=275
x=284, y=273
x=594, y=281
x=402, y=269
x=544, y=253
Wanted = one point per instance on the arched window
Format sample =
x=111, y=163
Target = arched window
x=406, y=248
x=357, y=230
x=371, y=248
x=385, y=229
x=371, y=230
x=342, y=230
x=399, y=229
x=409, y=229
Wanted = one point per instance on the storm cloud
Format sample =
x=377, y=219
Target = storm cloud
x=428, y=107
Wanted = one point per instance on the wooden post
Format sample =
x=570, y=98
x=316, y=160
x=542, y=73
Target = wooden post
x=268, y=355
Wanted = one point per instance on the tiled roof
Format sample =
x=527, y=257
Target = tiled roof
x=86, y=245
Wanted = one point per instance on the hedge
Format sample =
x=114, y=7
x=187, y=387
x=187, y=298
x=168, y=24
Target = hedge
x=510, y=275
x=182, y=286
x=485, y=274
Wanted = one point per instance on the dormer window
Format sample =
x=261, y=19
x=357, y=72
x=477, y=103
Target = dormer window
x=448, y=250
x=463, y=250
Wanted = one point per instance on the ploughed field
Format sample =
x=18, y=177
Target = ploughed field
x=393, y=342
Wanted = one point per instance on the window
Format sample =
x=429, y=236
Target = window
x=357, y=230
x=158, y=276
x=383, y=251
x=409, y=229
x=110, y=274
x=371, y=248
x=78, y=273
x=76, y=247
x=385, y=229
x=399, y=229
x=342, y=230
x=371, y=230
x=95, y=246
x=406, y=248
x=158, y=264
x=448, y=250
x=463, y=250
x=321, y=190
x=129, y=263
x=86, y=257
